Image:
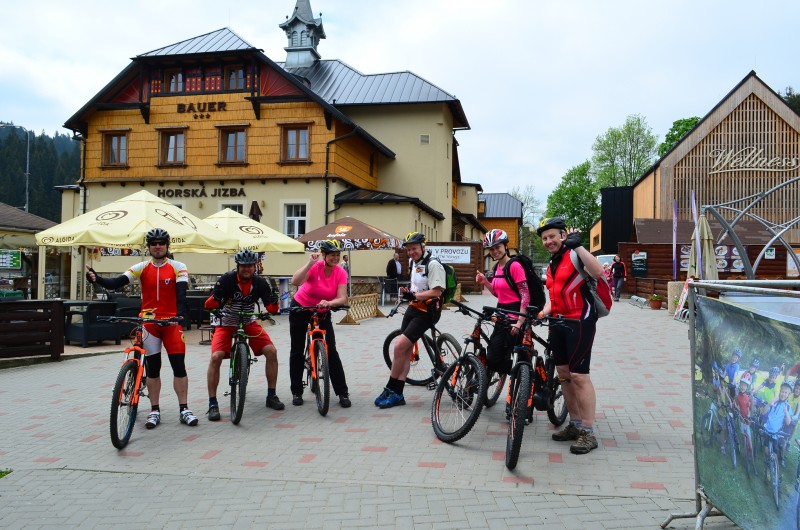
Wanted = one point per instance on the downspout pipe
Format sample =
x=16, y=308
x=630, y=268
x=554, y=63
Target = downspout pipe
x=327, y=161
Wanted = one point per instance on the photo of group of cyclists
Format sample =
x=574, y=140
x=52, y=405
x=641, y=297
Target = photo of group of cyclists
x=746, y=410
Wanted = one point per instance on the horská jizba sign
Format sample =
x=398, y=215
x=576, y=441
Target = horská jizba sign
x=188, y=193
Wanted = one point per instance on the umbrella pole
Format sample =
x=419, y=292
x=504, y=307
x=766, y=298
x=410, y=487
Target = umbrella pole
x=349, y=274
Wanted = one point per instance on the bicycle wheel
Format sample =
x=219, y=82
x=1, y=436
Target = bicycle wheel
x=449, y=351
x=322, y=388
x=707, y=429
x=123, y=411
x=732, y=442
x=494, y=387
x=775, y=479
x=419, y=374
x=557, y=406
x=239, y=373
x=521, y=389
x=458, y=399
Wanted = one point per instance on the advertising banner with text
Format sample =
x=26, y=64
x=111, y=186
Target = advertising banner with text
x=745, y=416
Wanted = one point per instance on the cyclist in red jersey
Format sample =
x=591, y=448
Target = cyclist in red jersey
x=163, y=283
x=235, y=291
x=569, y=297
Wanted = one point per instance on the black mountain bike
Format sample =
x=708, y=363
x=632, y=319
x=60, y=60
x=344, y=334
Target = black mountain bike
x=442, y=349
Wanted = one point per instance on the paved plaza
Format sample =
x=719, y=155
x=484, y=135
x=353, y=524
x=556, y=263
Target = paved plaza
x=355, y=468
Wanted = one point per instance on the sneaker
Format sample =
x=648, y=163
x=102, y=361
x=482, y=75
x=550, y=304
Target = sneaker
x=344, y=401
x=153, y=419
x=393, y=399
x=570, y=432
x=297, y=400
x=188, y=418
x=382, y=397
x=274, y=403
x=213, y=413
x=586, y=442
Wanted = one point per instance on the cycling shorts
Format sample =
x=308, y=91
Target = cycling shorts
x=223, y=338
x=171, y=337
x=416, y=323
x=571, y=343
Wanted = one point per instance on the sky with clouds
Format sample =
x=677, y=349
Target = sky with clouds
x=538, y=80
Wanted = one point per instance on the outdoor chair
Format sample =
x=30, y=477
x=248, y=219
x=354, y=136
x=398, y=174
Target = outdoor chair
x=89, y=328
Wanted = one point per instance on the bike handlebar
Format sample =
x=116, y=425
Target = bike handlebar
x=318, y=309
x=141, y=320
x=530, y=314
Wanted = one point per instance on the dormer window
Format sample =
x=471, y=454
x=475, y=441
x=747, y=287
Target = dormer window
x=173, y=81
x=234, y=78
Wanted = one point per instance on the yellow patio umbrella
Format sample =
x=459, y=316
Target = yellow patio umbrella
x=251, y=234
x=124, y=223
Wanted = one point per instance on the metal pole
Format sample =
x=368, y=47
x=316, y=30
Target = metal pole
x=27, y=167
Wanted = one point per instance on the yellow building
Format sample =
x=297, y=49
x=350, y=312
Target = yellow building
x=212, y=123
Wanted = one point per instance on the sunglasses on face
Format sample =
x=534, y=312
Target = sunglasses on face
x=158, y=243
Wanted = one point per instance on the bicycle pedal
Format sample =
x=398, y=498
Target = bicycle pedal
x=431, y=385
x=227, y=393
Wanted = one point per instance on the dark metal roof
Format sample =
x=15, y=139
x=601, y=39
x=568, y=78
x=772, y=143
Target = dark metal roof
x=14, y=219
x=360, y=196
x=222, y=40
x=303, y=13
x=340, y=84
x=501, y=205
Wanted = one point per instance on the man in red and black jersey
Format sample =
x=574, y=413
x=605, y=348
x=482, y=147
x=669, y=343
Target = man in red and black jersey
x=163, y=283
x=238, y=291
x=570, y=297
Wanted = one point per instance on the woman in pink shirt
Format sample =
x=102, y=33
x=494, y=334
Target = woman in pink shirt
x=503, y=339
x=322, y=283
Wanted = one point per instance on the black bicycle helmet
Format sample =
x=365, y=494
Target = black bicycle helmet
x=551, y=222
x=246, y=257
x=330, y=245
x=157, y=234
x=414, y=237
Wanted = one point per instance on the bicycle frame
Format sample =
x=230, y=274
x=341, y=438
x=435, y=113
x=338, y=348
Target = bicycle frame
x=315, y=333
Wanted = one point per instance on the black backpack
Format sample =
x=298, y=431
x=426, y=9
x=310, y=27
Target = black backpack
x=535, y=287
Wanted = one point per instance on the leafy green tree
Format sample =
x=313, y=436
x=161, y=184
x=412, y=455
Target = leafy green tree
x=622, y=154
x=576, y=199
x=531, y=211
x=792, y=99
x=676, y=133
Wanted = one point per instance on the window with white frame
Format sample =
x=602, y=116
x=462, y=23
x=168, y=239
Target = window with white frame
x=236, y=207
x=294, y=224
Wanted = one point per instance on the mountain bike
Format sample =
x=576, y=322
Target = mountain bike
x=474, y=343
x=442, y=349
x=241, y=358
x=131, y=380
x=459, y=398
x=532, y=382
x=773, y=467
x=797, y=484
x=743, y=424
x=318, y=375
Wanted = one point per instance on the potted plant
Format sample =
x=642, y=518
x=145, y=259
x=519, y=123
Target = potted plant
x=656, y=300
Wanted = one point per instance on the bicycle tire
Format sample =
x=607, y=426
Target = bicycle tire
x=494, y=387
x=521, y=389
x=123, y=412
x=458, y=399
x=557, y=411
x=322, y=389
x=775, y=479
x=240, y=363
x=418, y=375
x=707, y=432
x=732, y=441
x=449, y=351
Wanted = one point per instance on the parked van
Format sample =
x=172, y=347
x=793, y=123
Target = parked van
x=606, y=258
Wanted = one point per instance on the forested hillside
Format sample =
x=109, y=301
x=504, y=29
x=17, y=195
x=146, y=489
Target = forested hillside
x=54, y=161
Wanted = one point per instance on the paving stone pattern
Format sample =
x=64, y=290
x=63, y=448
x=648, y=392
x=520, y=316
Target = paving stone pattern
x=355, y=468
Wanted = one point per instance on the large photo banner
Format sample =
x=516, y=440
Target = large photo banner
x=746, y=409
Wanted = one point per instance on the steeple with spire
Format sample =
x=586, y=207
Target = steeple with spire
x=303, y=32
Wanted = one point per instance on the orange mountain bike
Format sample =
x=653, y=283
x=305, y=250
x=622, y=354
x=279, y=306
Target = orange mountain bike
x=318, y=376
x=130, y=384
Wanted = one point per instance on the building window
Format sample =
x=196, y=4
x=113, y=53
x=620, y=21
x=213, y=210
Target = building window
x=294, y=220
x=173, y=81
x=295, y=143
x=233, y=145
x=234, y=78
x=236, y=207
x=115, y=149
x=172, y=147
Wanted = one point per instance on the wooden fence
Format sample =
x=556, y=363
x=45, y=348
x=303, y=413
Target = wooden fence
x=31, y=328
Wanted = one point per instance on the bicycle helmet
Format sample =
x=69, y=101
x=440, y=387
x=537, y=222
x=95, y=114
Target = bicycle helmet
x=755, y=363
x=551, y=222
x=737, y=352
x=774, y=371
x=330, y=245
x=156, y=234
x=789, y=385
x=494, y=237
x=246, y=257
x=746, y=379
x=414, y=237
